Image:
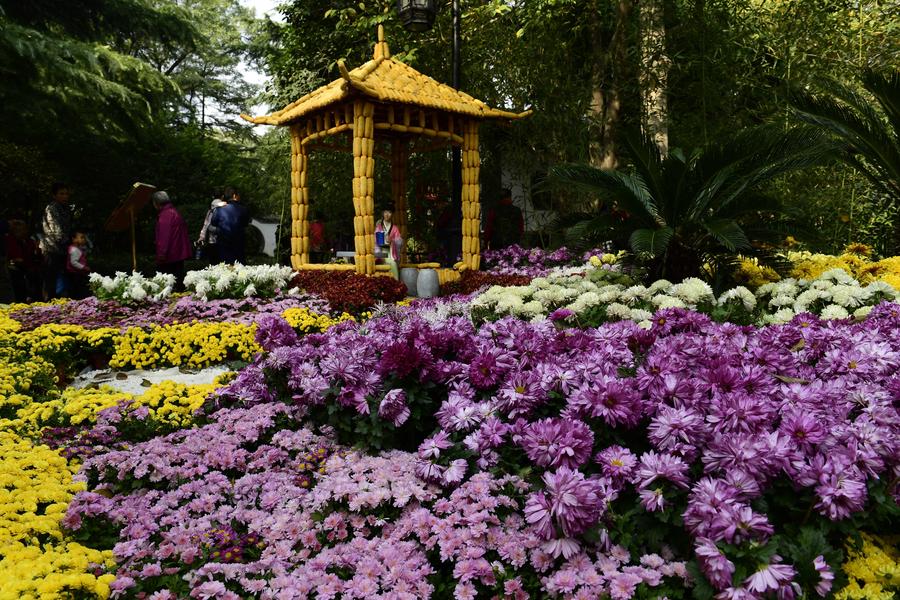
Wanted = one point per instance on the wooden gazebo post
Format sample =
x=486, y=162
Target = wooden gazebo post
x=471, y=204
x=364, y=185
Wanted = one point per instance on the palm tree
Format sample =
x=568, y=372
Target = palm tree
x=869, y=131
x=687, y=211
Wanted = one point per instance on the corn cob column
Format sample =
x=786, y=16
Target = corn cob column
x=364, y=185
x=299, y=201
x=399, y=166
x=471, y=204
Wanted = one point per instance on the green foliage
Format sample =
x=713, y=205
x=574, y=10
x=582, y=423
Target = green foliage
x=684, y=212
x=870, y=131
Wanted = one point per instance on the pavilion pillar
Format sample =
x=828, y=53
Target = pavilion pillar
x=399, y=169
x=471, y=203
x=364, y=185
x=299, y=200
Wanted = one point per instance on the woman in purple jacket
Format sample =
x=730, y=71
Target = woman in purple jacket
x=173, y=245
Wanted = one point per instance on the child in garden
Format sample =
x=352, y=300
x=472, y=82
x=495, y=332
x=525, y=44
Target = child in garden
x=77, y=269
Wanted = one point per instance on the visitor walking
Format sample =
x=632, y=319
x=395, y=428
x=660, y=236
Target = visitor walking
x=387, y=235
x=77, y=270
x=505, y=225
x=56, y=227
x=209, y=233
x=24, y=258
x=173, y=246
x=231, y=223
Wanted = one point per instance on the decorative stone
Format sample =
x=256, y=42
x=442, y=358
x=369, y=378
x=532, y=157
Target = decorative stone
x=428, y=285
x=410, y=277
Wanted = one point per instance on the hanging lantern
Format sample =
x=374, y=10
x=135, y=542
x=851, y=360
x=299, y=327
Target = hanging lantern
x=417, y=15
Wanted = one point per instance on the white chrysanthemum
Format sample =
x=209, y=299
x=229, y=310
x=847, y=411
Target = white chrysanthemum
x=781, y=300
x=531, y=309
x=834, y=311
x=660, y=285
x=693, y=291
x=782, y=316
x=804, y=299
x=509, y=304
x=633, y=294
x=250, y=290
x=618, y=311
x=838, y=276
x=862, y=312
x=646, y=324
x=821, y=284
x=589, y=299
x=848, y=296
x=540, y=283
x=608, y=294
x=639, y=314
x=135, y=291
x=740, y=294
x=663, y=301
x=881, y=287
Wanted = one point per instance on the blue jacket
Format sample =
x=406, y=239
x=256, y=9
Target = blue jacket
x=230, y=222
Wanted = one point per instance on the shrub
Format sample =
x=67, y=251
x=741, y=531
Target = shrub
x=472, y=281
x=350, y=292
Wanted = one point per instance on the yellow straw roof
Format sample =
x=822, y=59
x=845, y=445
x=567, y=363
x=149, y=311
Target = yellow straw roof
x=385, y=80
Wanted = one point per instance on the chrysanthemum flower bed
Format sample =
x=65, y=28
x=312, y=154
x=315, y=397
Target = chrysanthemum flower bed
x=691, y=459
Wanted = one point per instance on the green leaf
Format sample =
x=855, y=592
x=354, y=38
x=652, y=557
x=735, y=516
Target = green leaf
x=653, y=242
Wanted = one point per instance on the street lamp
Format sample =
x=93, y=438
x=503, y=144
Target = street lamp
x=417, y=15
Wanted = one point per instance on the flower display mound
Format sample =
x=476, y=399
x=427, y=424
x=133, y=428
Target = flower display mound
x=599, y=295
x=214, y=282
x=94, y=313
x=349, y=292
x=238, y=281
x=520, y=460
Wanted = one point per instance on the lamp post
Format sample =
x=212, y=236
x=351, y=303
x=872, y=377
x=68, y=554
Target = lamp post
x=418, y=16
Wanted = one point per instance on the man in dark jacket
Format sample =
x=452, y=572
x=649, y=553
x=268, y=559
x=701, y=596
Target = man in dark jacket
x=57, y=230
x=231, y=223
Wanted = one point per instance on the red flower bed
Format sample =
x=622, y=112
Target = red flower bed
x=472, y=281
x=349, y=292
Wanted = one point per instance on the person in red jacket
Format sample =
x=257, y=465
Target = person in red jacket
x=173, y=245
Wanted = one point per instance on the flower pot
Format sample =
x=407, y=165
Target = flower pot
x=410, y=277
x=427, y=285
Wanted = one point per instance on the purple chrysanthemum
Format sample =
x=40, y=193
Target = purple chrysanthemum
x=771, y=577
x=393, y=407
x=826, y=576
x=714, y=564
x=558, y=443
x=617, y=463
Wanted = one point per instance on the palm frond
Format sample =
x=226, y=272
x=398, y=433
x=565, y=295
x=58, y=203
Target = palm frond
x=652, y=242
x=728, y=233
x=628, y=190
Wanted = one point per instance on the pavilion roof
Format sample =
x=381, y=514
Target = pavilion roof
x=389, y=81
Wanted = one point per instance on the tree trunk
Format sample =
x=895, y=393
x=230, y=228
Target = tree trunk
x=607, y=66
x=654, y=74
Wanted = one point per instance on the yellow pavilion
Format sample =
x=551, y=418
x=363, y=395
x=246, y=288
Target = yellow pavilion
x=384, y=99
